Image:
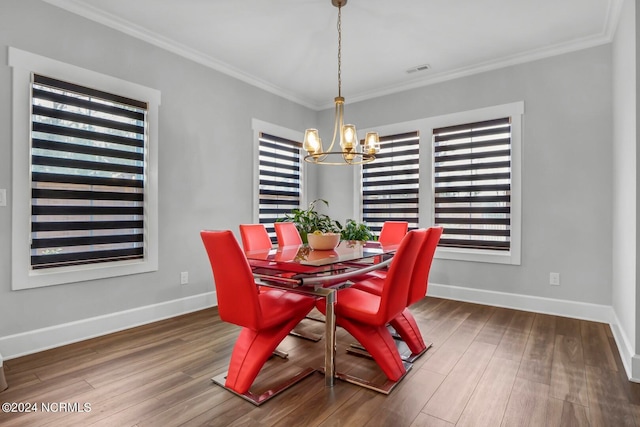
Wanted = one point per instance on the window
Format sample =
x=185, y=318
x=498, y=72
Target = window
x=280, y=177
x=466, y=178
x=84, y=174
x=476, y=183
x=390, y=184
x=472, y=184
x=87, y=175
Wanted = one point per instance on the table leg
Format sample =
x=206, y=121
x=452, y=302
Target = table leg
x=330, y=333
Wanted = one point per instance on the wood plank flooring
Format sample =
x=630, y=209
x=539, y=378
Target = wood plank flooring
x=489, y=366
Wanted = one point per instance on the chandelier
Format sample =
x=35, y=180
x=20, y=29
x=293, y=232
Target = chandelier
x=349, y=154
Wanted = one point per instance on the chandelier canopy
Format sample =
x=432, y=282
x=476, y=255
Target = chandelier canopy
x=349, y=143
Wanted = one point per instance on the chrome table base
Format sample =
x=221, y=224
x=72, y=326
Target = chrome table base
x=384, y=388
x=259, y=399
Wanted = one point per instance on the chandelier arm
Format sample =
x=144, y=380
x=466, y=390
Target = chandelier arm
x=322, y=155
x=337, y=123
x=358, y=158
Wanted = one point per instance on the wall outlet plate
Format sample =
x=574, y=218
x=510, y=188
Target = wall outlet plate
x=184, y=277
x=3, y=197
x=554, y=279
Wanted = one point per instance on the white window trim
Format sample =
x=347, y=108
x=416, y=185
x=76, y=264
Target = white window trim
x=22, y=276
x=425, y=126
x=258, y=127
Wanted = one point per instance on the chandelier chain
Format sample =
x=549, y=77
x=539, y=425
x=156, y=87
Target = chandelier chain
x=339, y=50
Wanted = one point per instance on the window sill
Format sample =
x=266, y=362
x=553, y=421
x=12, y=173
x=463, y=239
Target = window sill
x=81, y=273
x=492, y=257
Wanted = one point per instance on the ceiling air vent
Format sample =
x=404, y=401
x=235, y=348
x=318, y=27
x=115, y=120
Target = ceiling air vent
x=423, y=67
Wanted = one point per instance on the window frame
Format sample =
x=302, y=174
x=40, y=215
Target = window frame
x=260, y=127
x=403, y=172
x=22, y=275
x=425, y=127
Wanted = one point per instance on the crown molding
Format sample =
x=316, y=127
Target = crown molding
x=90, y=12
x=607, y=34
x=517, y=59
x=94, y=14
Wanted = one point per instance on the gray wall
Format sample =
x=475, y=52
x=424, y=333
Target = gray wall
x=205, y=165
x=205, y=160
x=566, y=163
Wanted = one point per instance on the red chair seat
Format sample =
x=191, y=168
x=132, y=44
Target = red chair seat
x=370, y=283
x=360, y=306
x=278, y=306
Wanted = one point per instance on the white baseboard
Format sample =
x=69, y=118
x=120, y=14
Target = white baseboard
x=629, y=359
x=37, y=340
x=21, y=344
x=576, y=310
x=573, y=309
x=635, y=368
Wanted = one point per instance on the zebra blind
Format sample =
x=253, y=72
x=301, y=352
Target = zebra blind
x=472, y=184
x=390, y=184
x=280, y=179
x=87, y=175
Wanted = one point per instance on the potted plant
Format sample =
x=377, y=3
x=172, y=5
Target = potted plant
x=353, y=231
x=309, y=221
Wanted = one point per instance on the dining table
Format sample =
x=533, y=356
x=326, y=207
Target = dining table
x=320, y=273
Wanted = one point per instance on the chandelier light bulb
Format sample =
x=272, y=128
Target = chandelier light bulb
x=349, y=140
x=312, y=142
x=372, y=143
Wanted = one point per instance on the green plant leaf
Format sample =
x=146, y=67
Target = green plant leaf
x=356, y=231
x=309, y=220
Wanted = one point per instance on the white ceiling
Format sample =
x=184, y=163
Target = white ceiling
x=289, y=47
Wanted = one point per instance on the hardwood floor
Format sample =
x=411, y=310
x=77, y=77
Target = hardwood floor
x=489, y=367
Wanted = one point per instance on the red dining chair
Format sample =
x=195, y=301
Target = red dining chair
x=366, y=315
x=255, y=237
x=287, y=234
x=392, y=232
x=265, y=317
x=405, y=324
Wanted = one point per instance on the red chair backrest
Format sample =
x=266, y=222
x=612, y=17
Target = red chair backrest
x=235, y=287
x=392, y=232
x=287, y=234
x=254, y=237
x=395, y=290
x=420, y=276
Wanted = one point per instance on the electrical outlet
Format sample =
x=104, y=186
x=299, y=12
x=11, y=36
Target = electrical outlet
x=554, y=279
x=184, y=277
x=3, y=197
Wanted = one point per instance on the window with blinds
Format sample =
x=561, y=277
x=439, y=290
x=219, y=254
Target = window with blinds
x=390, y=184
x=472, y=184
x=87, y=175
x=280, y=179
